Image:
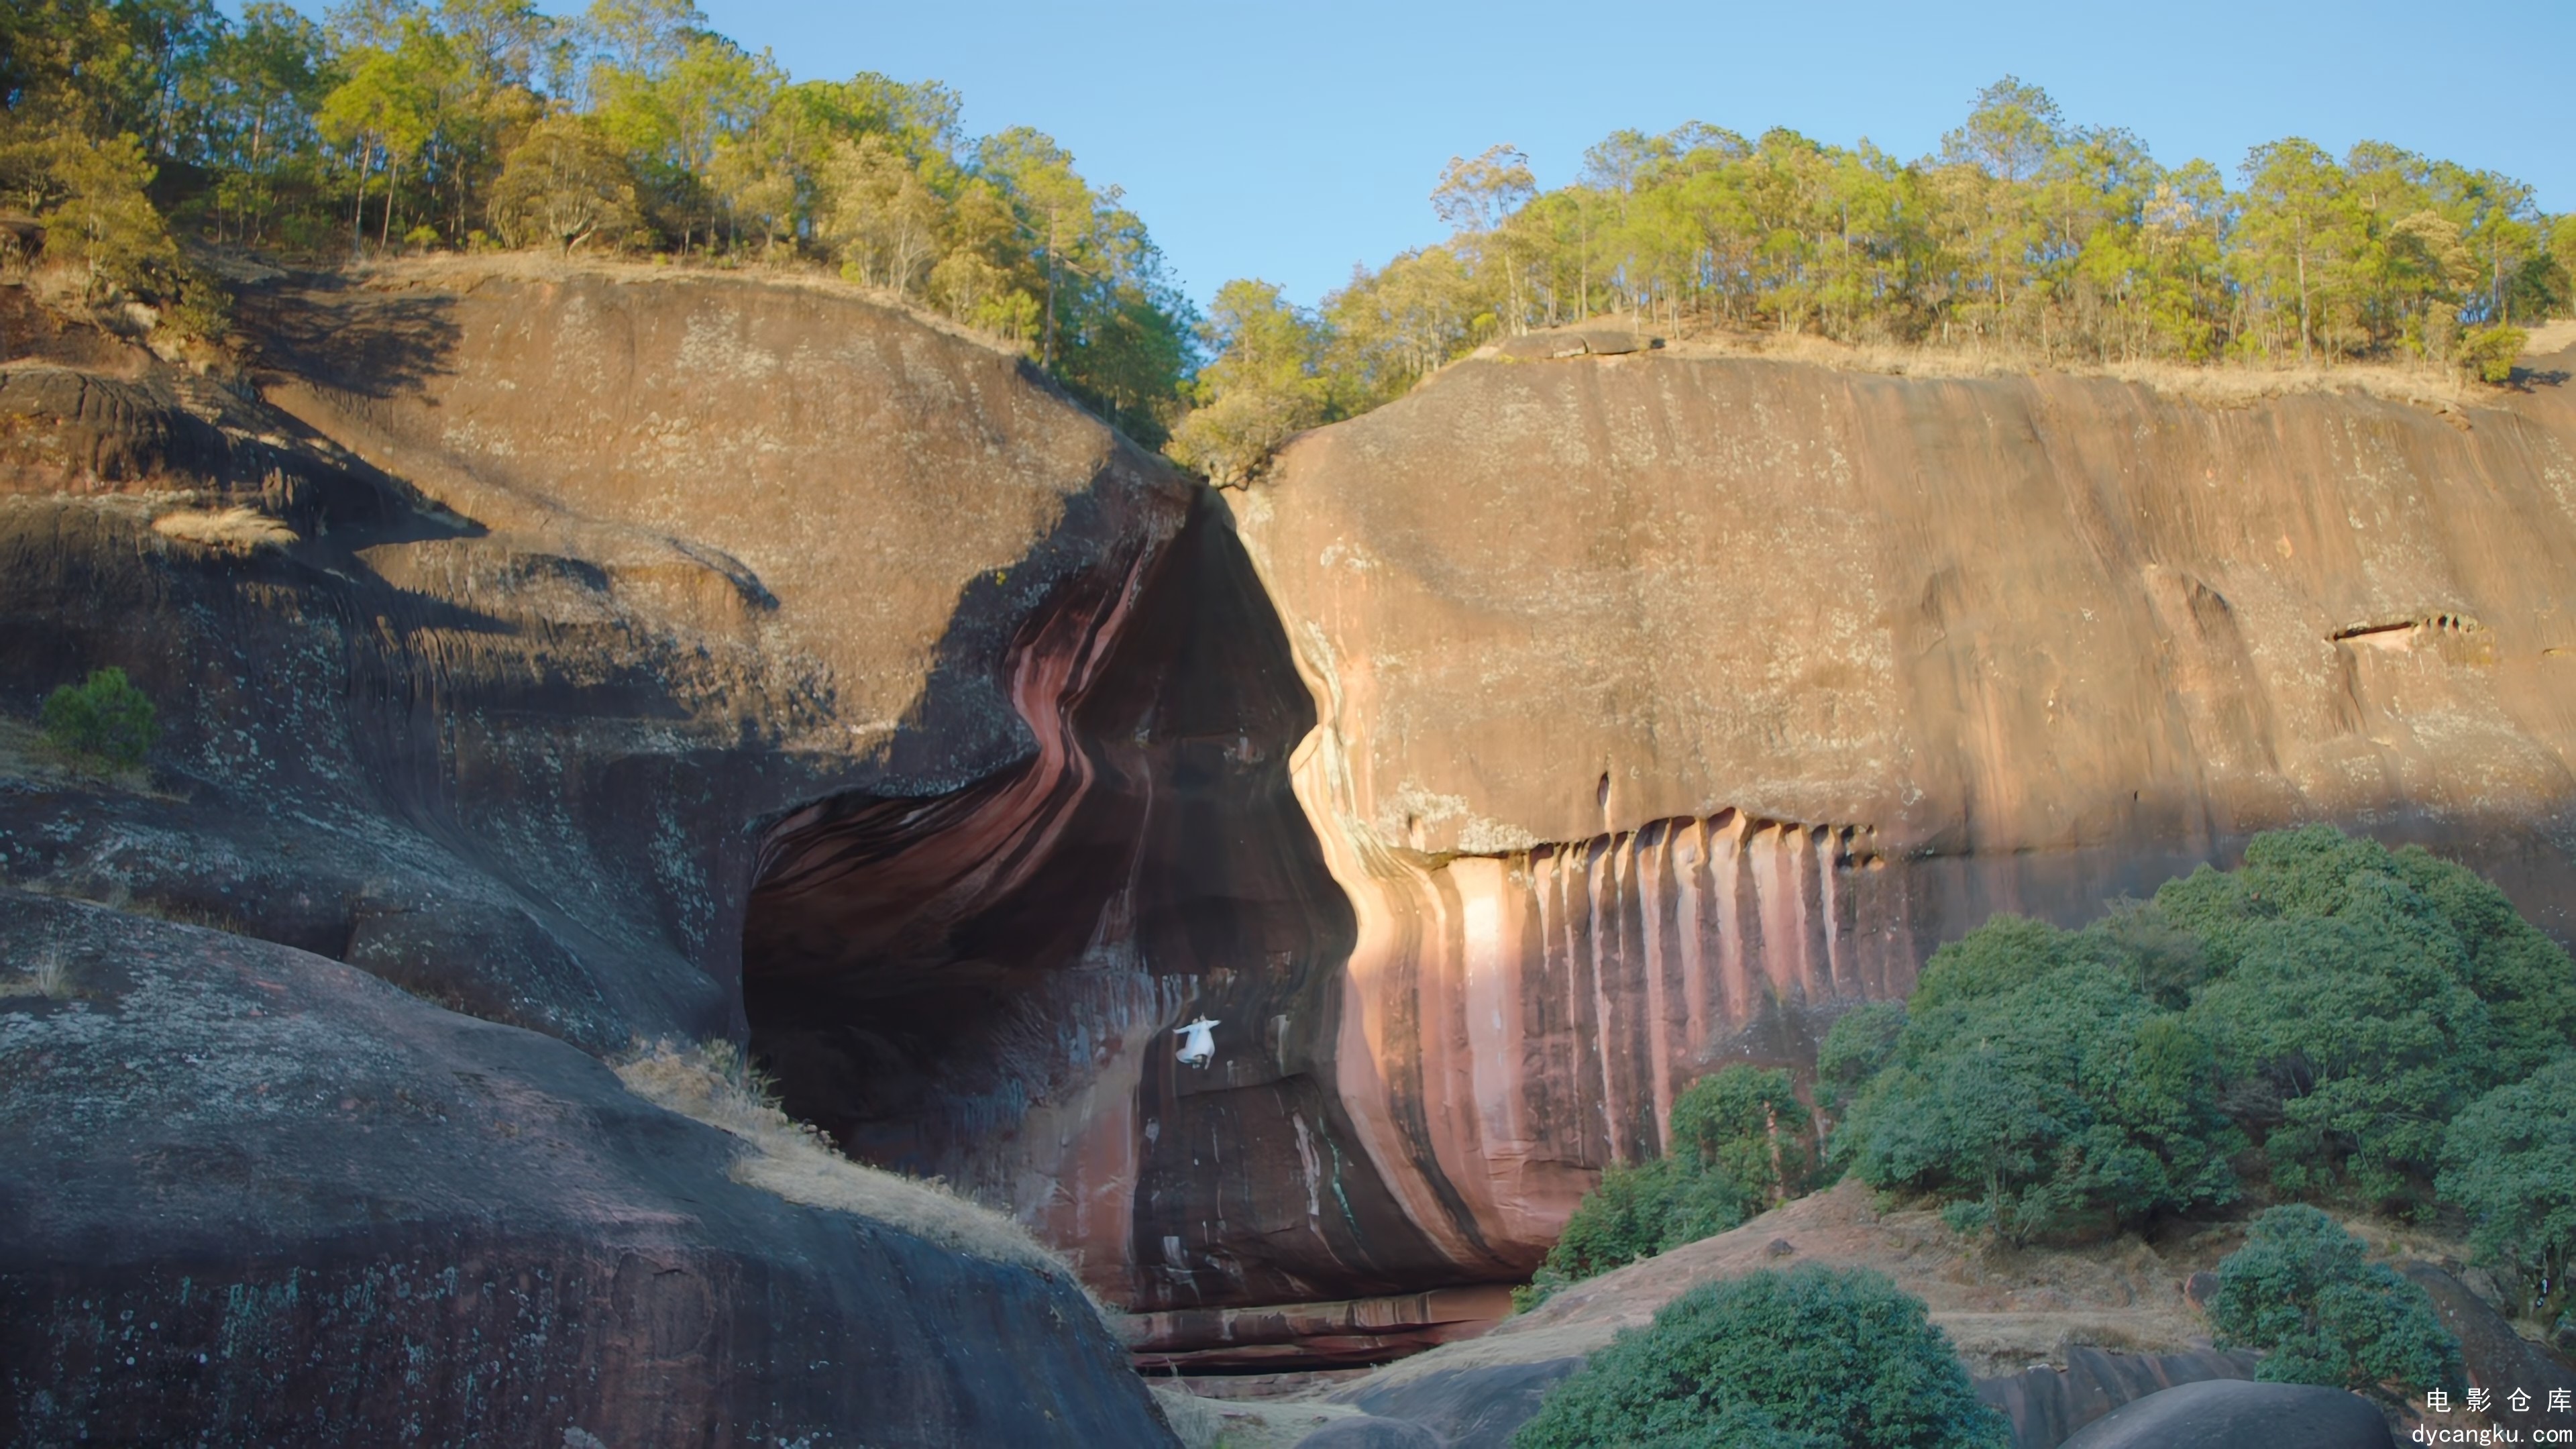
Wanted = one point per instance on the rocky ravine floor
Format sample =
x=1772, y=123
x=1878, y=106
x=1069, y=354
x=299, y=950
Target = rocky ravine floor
x=2056, y=1337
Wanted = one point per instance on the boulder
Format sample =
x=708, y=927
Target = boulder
x=2048, y=1405
x=259, y=1197
x=2495, y=1357
x=1467, y=1408
x=2237, y=1414
x=1609, y=337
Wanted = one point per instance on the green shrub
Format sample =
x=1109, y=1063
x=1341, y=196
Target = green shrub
x=1861, y=1044
x=1810, y=1357
x=1636, y=1212
x=1740, y=1142
x=2334, y=1002
x=104, y=720
x=2488, y=353
x=1747, y=1125
x=2301, y=1291
x=2509, y=1162
x=2360, y=998
x=2037, y=1092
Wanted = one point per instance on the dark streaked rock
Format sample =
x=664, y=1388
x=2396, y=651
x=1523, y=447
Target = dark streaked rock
x=2240, y=1414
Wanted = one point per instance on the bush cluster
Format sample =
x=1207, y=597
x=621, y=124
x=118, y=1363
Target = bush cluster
x=2301, y=1292
x=2509, y=1162
x=2318, y=1018
x=2332, y=1022
x=2038, y=1091
x=1741, y=1141
x=1811, y=1358
x=104, y=721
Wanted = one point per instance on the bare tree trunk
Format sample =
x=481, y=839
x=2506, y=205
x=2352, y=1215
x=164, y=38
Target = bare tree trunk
x=358, y=208
x=1046, y=349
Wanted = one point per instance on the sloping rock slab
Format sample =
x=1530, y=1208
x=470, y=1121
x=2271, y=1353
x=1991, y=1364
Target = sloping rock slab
x=2235, y=1414
x=1471, y=1408
x=1609, y=339
x=2046, y=1405
x=255, y=1196
x=2495, y=1356
x=1367, y=1431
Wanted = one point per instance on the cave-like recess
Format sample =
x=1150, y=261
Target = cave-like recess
x=921, y=974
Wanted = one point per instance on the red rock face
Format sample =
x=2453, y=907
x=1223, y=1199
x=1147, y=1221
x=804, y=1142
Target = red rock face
x=1666, y=706
x=1511, y=757
x=983, y=985
x=1571, y=729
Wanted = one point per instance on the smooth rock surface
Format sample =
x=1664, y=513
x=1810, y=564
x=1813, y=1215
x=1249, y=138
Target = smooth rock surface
x=258, y=1197
x=658, y=654
x=2237, y=1414
x=1667, y=704
x=2047, y=1405
x=1367, y=1431
x=2497, y=1358
x=1467, y=1408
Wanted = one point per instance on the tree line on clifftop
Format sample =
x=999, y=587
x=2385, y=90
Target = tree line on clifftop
x=2025, y=237
x=131, y=127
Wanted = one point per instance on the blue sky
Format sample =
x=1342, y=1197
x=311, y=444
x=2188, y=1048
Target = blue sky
x=1287, y=142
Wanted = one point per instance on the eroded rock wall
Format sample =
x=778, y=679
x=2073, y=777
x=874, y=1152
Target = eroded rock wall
x=259, y=1197
x=1667, y=705
x=454, y=695
x=582, y=574
x=654, y=655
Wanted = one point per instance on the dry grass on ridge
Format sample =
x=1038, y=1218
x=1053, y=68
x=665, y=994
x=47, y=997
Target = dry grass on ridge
x=2223, y=384
x=2219, y=384
x=709, y=1084
x=2004, y=1309
x=233, y=530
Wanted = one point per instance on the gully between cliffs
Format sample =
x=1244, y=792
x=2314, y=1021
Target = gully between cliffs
x=984, y=985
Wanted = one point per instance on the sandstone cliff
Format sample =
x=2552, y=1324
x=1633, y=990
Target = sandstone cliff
x=617, y=654
x=483, y=656
x=1664, y=703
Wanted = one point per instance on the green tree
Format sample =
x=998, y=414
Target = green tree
x=2488, y=353
x=2298, y=233
x=1477, y=198
x=1263, y=385
x=2302, y=1293
x=2562, y=256
x=1389, y=329
x=1860, y=1044
x=1813, y=1356
x=1636, y=1211
x=101, y=217
x=879, y=215
x=385, y=114
x=2509, y=1162
x=2009, y=135
x=250, y=104
x=2360, y=998
x=2039, y=1092
x=1746, y=1124
x=103, y=721
x=697, y=95
x=565, y=184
